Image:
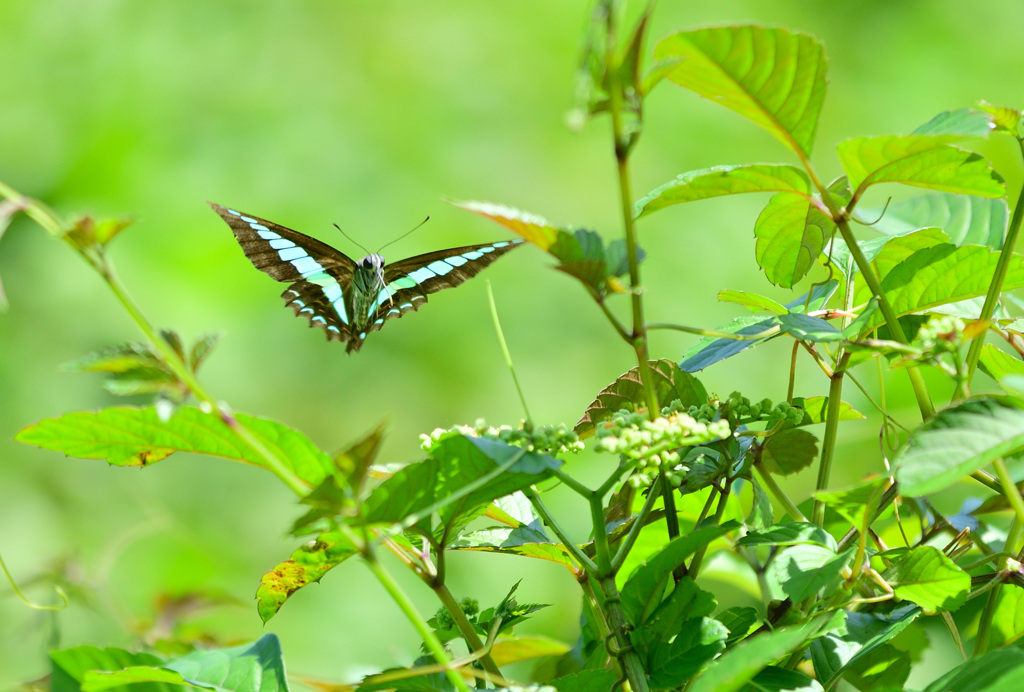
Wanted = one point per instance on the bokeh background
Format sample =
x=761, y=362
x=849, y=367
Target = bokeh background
x=367, y=114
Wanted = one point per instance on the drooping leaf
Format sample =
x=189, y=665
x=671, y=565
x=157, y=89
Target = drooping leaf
x=965, y=219
x=790, y=450
x=626, y=392
x=772, y=77
x=137, y=437
x=920, y=160
x=531, y=227
x=517, y=649
x=924, y=576
x=807, y=328
x=710, y=350
x=958, y=441
x=962, y=122
x=254, y=667
x=306, y=566
x=1005, y=119
x=523, y=541
x=723, y=180
x=791, y=233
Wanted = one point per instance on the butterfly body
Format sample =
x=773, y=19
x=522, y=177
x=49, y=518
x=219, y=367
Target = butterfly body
x=349, y=299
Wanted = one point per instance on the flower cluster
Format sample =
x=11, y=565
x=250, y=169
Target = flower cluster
x=941, y=333
x=654, y=444
x=739, y=410
x=548, y=439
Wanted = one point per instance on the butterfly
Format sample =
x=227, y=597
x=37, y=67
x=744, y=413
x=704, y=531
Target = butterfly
x=349, y=299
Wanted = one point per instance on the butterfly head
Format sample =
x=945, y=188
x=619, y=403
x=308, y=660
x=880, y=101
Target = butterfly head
x=368, y=277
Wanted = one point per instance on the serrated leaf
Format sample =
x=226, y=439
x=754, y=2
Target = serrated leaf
x=864, y=633
x=791, y=233
x=789, y=450
x=531, y=227
x=306, y=566
x=790, y=533
x=1005, y=119
x=958, y=441
x=772, y=77
x=965, y=219
x=254, y=667
x=752, y=301
x=944, y=274
x=919, y=160
x=626, y=392
x=962, y=122
x=737, y=666
x=739, y=620
x=722, y=180
x=926, y=577
x=137, y=437
x=801, y=571
x=523, y=541
x=452, y=473
x=995, y=671
x=673, y=663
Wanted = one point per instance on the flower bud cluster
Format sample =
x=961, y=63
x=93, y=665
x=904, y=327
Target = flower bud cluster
x=739, y=410
x=941, y=333
x=547, y=439
x=654, y=444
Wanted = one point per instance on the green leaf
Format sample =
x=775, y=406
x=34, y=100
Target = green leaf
x=697, y=641
x=965, y=219
x=582, y=254
x=957, y=442
x=996, y=671
x=926, y=577
x=307, y=565
x=963, y=122
x=1008, y=617
x=944, y=274
x=69, y=666
x=752, y=301
x=627, y=392
x=790, y=533
x=1005, y=119
x=918, y=160
x=642, y=593
x=723, y=180
x=864, y=633
x=791, y=233
x=452, y=473
x=137, y=437
x=737, y=666
x=254, y=667
x=801, y=571
x=807, y=328
x=586, y=681
x=531, y=227
x=739, y=620
x=855, y=504
x=998, y=364
x=885, y=254
x=772, y=77
x=816, y=407
x=710, y=349
x=789, y=450
x=776, y=679
x=524, y=541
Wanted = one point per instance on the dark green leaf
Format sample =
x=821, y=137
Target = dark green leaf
x=996, y=671
x=710, y=350
x=790, y=533
x=807, y=328
x=789, y=450
x=864, y=633
x=585, y=681
x=697, y=641
x=958, y=441
x=739, y=620
x=783, y=95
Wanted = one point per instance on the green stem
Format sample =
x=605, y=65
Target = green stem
x=567, y=543
x=466, y=628
x=698, y=555
x=1011, y=492
x=828, y=444
x=508, y=355
x=996, y=288
x=768, y=481
x=634, y=531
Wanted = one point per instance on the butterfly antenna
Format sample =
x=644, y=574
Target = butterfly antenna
x=351, y=239
x=407, y=233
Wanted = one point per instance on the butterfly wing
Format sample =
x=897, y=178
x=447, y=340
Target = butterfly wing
x=408, y=282
x=319, y=275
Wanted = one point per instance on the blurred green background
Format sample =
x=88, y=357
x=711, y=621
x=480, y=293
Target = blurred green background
x=366, y=114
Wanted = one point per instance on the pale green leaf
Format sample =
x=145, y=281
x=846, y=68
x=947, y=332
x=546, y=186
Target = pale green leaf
x=926, y=577
x=962, y=122
x=800, y=571
x=752, y=301
x=998, y=364
x=791, y=233
x=723, y=180
x=790, y=533
x=1005, y=119
x=958, y=441
x=965, y=219
x=772, y=77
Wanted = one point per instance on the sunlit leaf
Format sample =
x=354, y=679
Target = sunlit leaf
x=752, y=301
x=816, y=407
x=306, y=566
x=958, y=441
x=723, y=180
x=627, y=392
x=531, y=227
x=995, y=671
x=1005, y=119
x=68, y=667
x=863, y=634
x=772, y=77
x=926, y=577
x=790, y=533
x=137, y=437
x=998, y=364
x=673, y=663
x=800, y=571
x=791, y=233
x=525, y=648
x=1008, y=617
x=855, y=504
x=918, y=160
